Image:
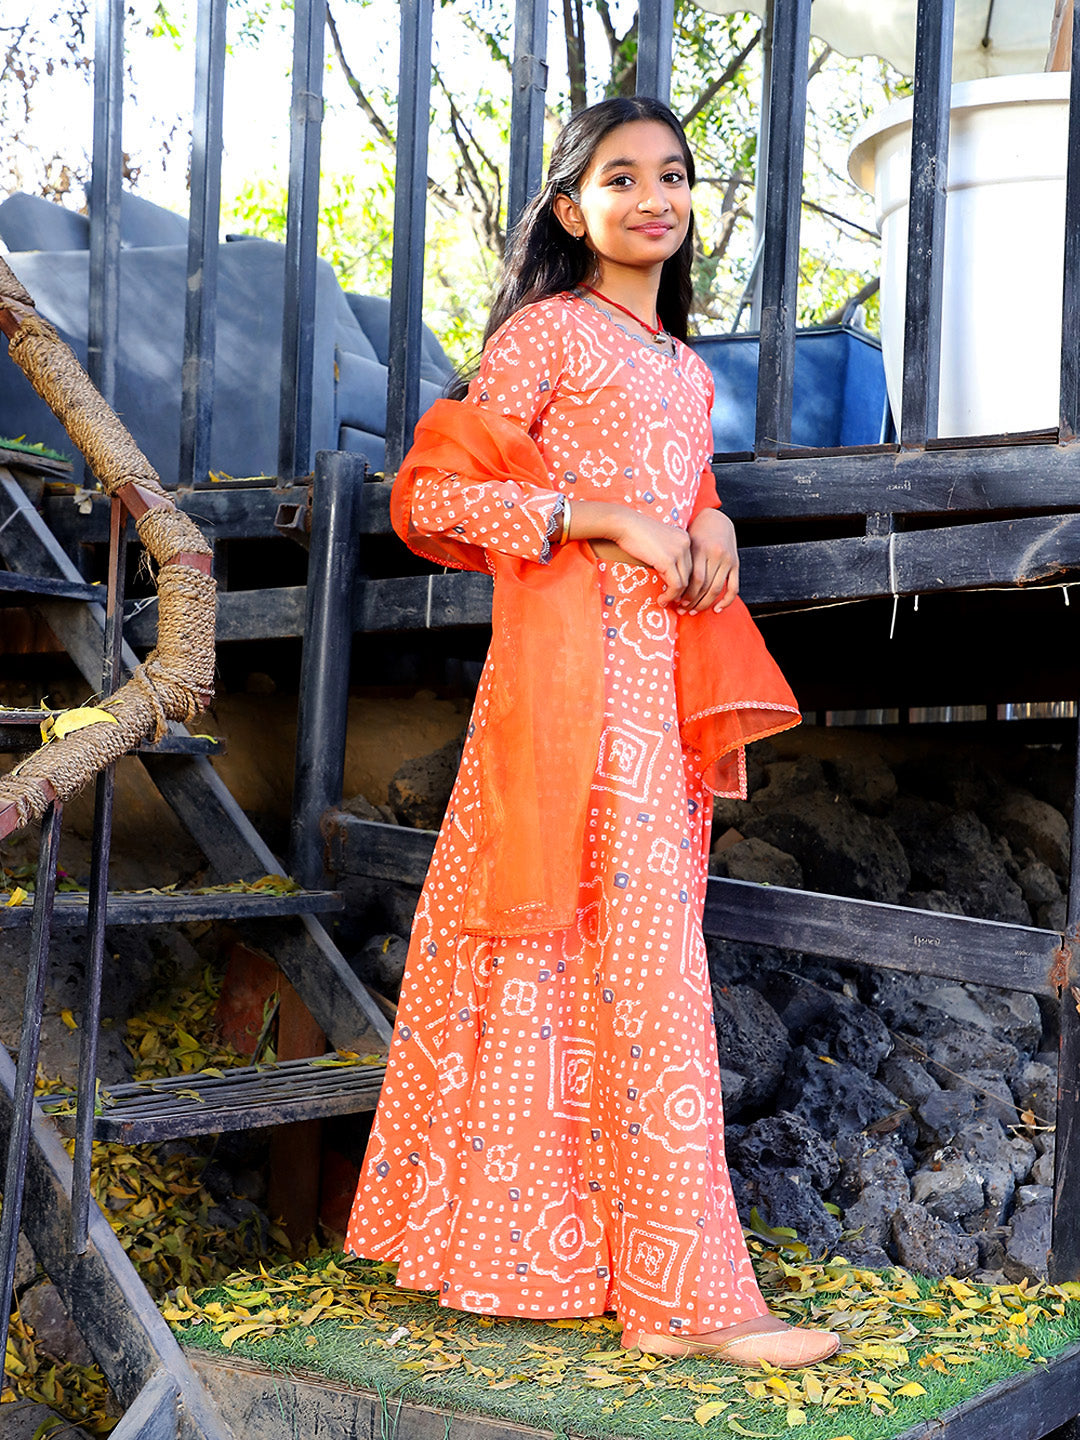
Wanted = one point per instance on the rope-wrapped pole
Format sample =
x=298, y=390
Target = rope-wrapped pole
x=176, y=680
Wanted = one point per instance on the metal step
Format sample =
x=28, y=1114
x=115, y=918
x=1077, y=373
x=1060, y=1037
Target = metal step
x=174, y=907
x=21, y=730
x=245, y=1098
x=12, y=584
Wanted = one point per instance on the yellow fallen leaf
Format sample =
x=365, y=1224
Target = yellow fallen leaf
x=911, y=1388
x=56, y=727
x=69, y=1019
x=709, y=1411
x=796, y=1416
x=733, y=1424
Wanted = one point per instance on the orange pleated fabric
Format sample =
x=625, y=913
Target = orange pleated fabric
x=549, y=1139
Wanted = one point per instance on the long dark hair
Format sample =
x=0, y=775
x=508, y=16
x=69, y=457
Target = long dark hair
x=544, y=259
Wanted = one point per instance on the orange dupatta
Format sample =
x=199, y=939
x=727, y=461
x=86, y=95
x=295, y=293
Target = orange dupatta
x=539, y=746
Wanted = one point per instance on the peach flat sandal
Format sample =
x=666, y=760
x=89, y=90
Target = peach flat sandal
x=757, y=1343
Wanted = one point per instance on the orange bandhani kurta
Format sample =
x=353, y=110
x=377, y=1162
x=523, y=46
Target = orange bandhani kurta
x=549, y=1141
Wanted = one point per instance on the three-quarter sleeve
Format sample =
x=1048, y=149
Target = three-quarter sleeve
x=520, y=370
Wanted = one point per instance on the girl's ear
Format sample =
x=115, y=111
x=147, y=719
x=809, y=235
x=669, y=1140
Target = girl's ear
x=569, y=216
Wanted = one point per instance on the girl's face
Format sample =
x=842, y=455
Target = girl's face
x=634, y=205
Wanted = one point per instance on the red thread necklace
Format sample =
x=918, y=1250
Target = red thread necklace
x=656, y=331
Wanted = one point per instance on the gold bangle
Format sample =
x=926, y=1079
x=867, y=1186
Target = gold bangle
x=564, y=533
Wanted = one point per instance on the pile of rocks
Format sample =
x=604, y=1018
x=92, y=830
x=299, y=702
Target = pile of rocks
x=887, y=1117
x=884, y=1116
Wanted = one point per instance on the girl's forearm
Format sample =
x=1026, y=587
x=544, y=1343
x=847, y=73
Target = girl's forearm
x=597, y=520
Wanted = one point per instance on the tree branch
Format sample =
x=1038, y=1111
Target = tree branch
x=730, y=70
x=378, y=123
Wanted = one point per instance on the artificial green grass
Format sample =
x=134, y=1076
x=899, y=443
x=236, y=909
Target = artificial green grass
x=344, y=1321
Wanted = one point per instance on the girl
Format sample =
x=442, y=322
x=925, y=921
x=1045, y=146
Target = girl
x=549, y=1141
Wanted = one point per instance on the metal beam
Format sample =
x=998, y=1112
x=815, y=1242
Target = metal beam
x=301, y=235
x=197, y=375
x=1070, y=323
x=656, y=23
x=410, y=199
x=530, y=76
x=783, y=206
x=323, y=711
x=103, y=322
x=926, y=222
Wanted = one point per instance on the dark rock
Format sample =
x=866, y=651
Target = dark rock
x=857, y=1250
x=929, y=1246
x=943, y=1114
x=216, y=1180
x=420, y=789
x=1028, y=823
x=872, y=1214
x=734, y=962
x=1042, y=1172
x=1052, y=916
x=1038, y=883
x=31, y=1419
x=363, y=809
x=381, y=962
x=1009, y=1015
x=1029, y=1240
x=1034, y=1087
x=751, y=1040
x=956, y=1049
x=948, y=1192
x=834, y=1098
x=953, y=851
x=908, y=1080
x=868, y=1163
x=998, y=1185
x=991, y=1245
x=851, y=1032
x=729, y=815
x=991, y=1090
x=732, y=1090
x=936, y=900
x=43, y=1310
x=743, y=1192
x=250, y=1185
x=788, y=778
x=784, y=1141
x=841, y=850
x=760, y=862
x=788, y=1198
x=865, y=780
x=986, y=1143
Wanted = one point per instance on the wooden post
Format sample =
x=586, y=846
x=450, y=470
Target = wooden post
x=295, y=1150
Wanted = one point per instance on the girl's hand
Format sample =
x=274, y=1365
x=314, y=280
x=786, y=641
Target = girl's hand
x=714, y=580
x=663, y=548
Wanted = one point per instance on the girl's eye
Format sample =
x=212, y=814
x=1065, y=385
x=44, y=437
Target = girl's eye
x=675, y=176
x=621, y=181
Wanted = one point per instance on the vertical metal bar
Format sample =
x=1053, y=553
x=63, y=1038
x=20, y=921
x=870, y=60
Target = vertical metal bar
x=761, y=172
x=656, y=22
x=301, y=235
x=926, y=222
x=37, y=968
x=197, y=380
x=530, y=77
x=99, y=898
x=1063, y=1260
x=783, y=206
x=322, y=716
x=1070, y=323
x=410, y=198
x=103, y=321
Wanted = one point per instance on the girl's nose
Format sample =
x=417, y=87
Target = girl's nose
x=655, y=200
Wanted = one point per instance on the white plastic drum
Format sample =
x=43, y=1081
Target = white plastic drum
x=1004, y=249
